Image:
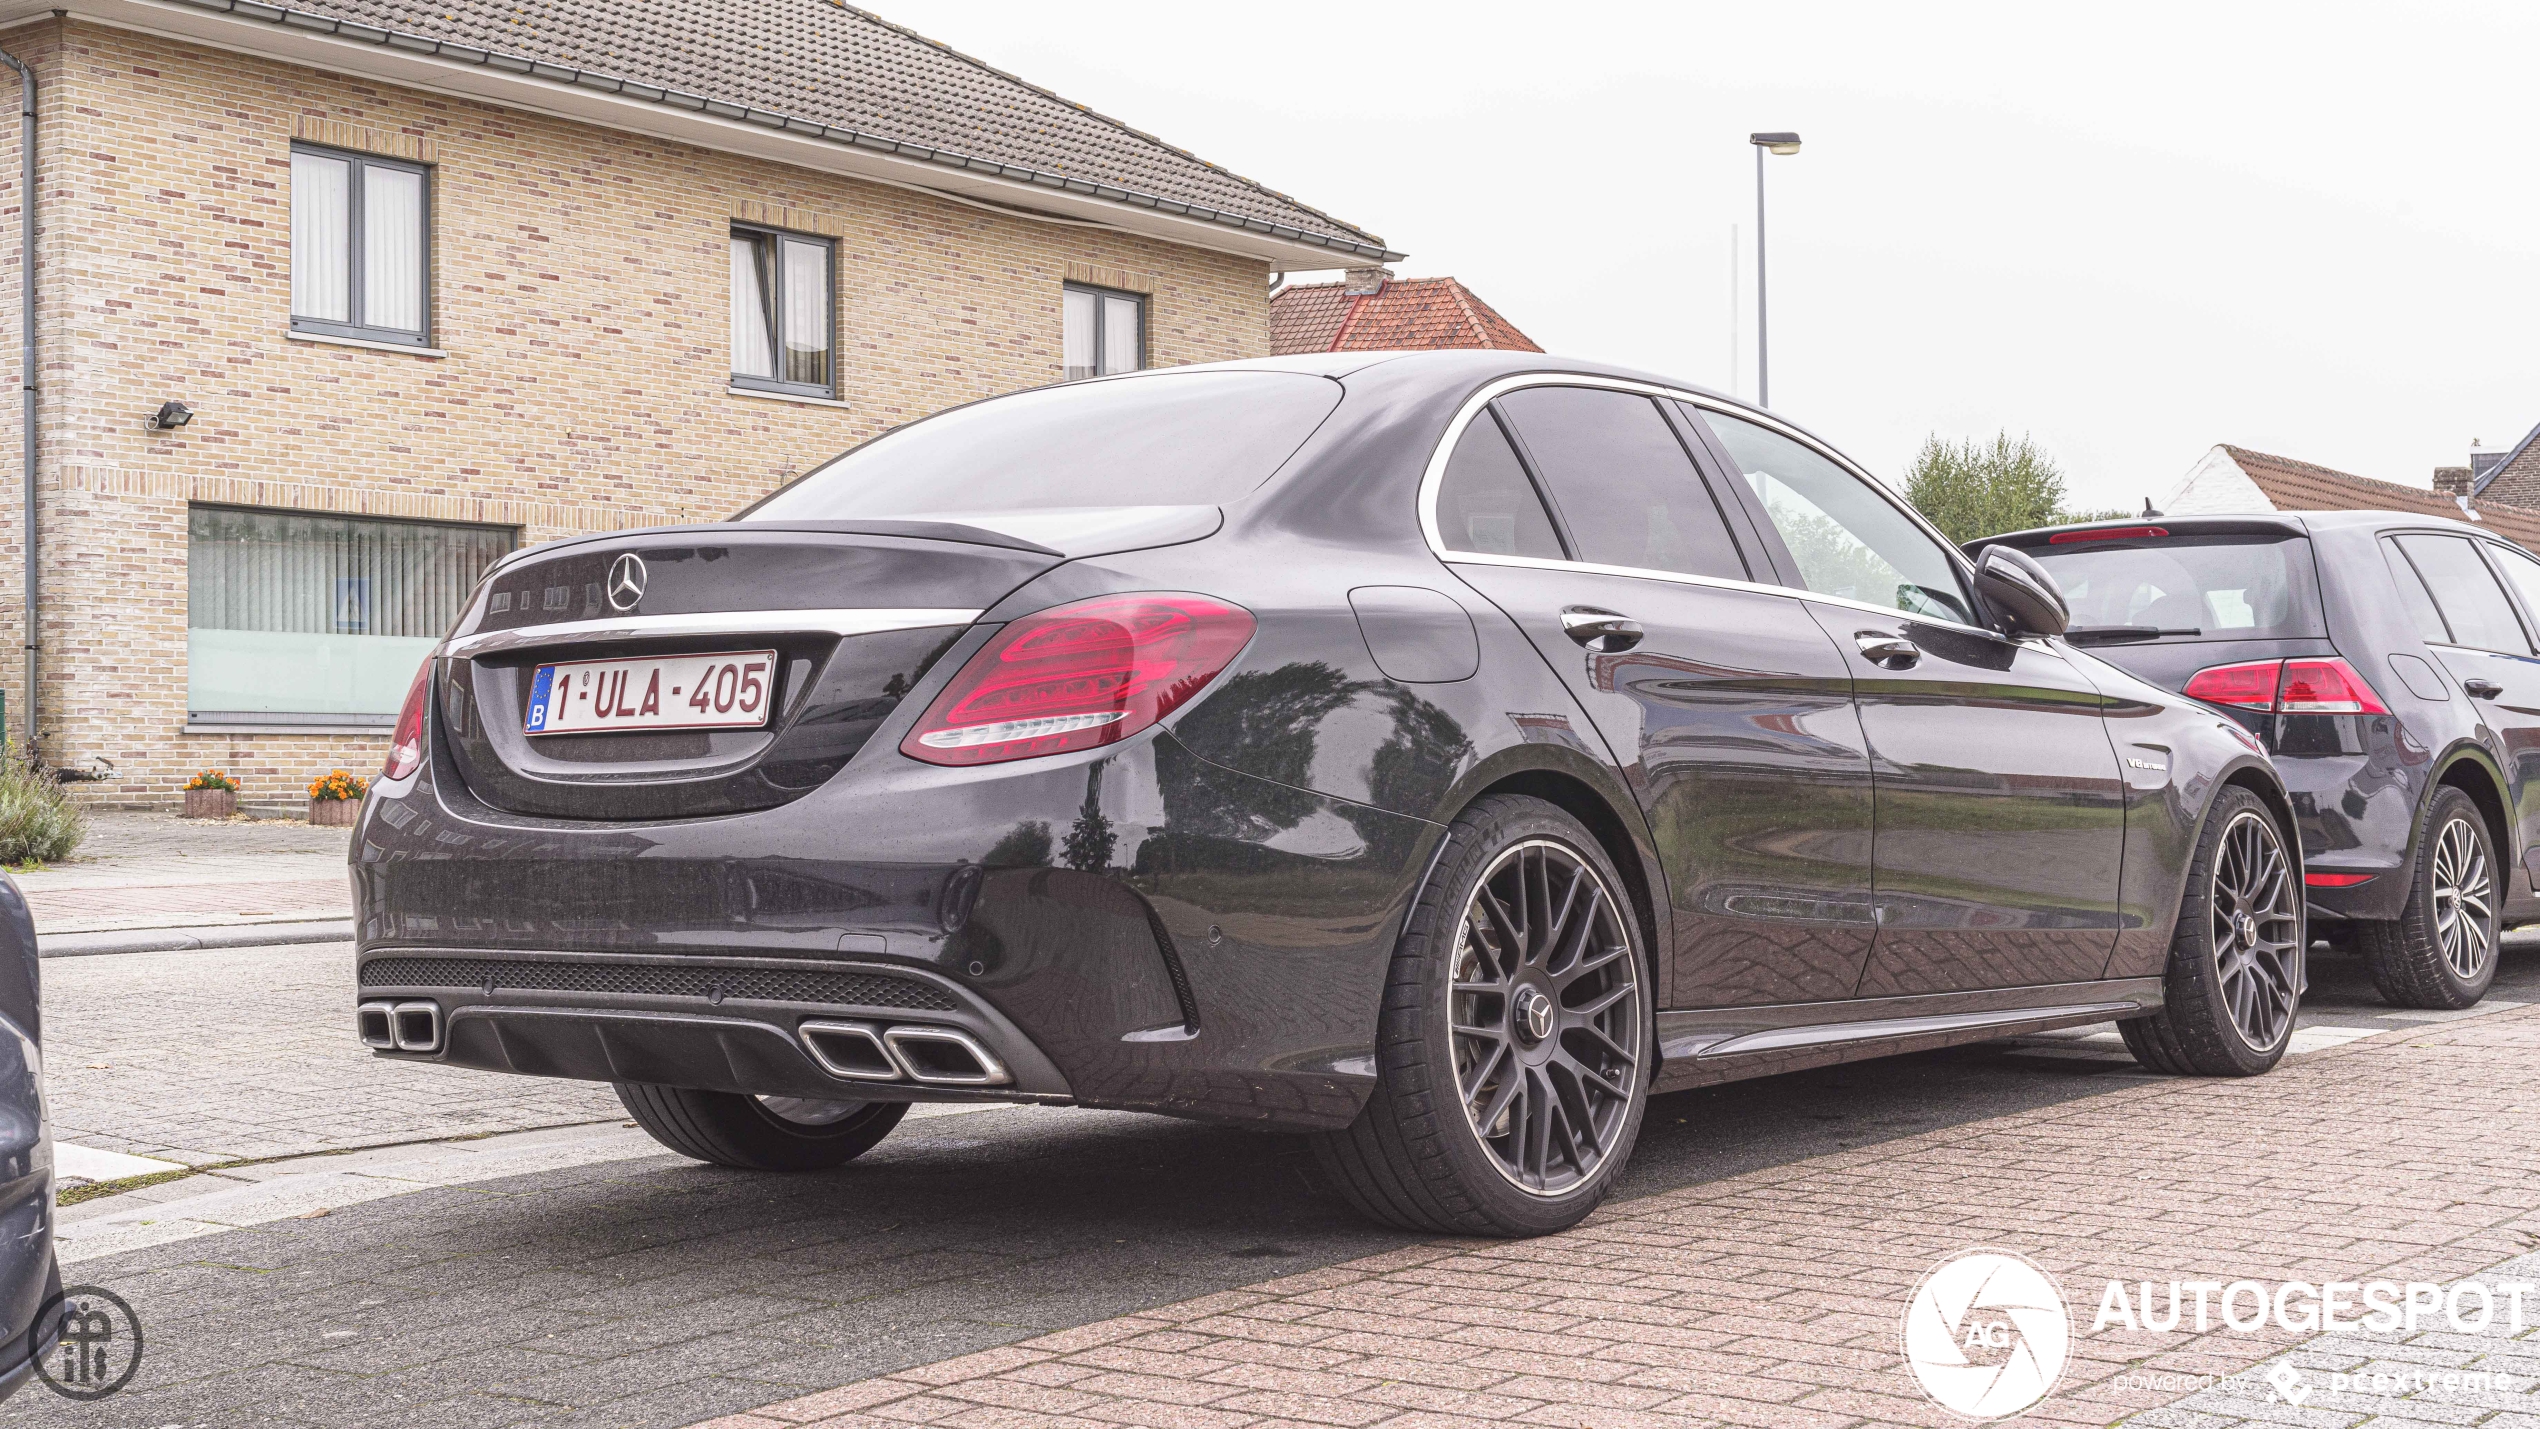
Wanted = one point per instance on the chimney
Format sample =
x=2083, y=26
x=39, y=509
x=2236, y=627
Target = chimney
x=1365, y=280
x=2452, y=481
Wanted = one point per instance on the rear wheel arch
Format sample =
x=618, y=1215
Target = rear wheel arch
x=2472, y=775
x=1643, y=881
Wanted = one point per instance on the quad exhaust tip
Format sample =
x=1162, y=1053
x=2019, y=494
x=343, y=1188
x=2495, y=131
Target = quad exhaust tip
x=399, y=1026
x=934, y=1056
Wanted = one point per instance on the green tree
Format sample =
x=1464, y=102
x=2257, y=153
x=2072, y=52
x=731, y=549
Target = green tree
x=1973, y=488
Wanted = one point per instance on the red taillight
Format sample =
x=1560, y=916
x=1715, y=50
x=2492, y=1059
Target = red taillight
x=2304, y=686
x=2334, y=880
x=2111, y=533
x=2248, y=687
x=2328, y=686
x=1079, y=676
x=405, y=752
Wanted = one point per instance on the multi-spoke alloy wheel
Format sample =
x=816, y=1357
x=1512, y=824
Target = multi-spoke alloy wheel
x=2234, y=979
x=2464, y=899
x=1545, y=1007
x=1513, y=1050
x=2440, y=952
x=2257, y=916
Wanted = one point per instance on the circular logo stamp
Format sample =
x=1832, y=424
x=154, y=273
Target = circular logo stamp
x=1987, y=1334
x=100, y=1346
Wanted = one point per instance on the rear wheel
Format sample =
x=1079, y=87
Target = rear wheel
x=2441, y=950
x=1513, y=1048
x=759, y=1133
x=2235, y=978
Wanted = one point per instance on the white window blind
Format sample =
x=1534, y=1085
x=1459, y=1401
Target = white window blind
x=392, y=249
x=321, y=237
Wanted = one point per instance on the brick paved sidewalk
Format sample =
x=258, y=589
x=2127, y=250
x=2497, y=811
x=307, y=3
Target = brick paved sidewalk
x=1774, y=1299
x=142, y=870
x=201, y=1057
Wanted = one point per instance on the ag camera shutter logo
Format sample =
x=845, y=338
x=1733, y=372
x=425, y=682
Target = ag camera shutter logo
x=1987, y=1334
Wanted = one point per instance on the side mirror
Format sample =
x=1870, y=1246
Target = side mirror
x=2016, y=588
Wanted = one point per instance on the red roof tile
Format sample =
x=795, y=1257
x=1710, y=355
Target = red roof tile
x=1403, y=313
x=2302, y=486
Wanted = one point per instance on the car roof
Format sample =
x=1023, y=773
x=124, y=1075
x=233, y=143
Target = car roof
x=2254, y=523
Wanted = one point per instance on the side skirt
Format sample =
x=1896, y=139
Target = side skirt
x=1723, y=1044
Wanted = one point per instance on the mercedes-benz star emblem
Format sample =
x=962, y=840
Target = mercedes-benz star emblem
x=626, y=582
x=1534, y=1015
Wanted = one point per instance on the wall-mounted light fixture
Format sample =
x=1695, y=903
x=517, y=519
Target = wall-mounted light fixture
x=170, y=416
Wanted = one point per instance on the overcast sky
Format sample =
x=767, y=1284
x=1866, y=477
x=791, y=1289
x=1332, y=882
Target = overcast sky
x=2130, y=231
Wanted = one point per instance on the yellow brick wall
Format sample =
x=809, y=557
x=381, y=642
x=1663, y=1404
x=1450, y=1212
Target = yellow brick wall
x=580, y=289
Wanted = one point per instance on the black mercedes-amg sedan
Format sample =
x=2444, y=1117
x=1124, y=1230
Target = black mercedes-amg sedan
x=1438, y=753
x=30, y=1278
x=2390, y=662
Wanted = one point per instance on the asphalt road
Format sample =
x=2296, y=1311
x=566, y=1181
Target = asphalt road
x=658, y=1292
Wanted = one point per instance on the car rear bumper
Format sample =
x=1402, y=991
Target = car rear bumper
x=2357, y=813
x=1140, y=929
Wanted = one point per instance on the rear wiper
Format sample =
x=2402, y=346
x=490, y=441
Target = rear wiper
x=2121, y=634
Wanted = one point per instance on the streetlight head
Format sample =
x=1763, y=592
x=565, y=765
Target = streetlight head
x=1782, y=143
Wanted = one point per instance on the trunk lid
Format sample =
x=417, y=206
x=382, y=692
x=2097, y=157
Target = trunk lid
x=856, y=613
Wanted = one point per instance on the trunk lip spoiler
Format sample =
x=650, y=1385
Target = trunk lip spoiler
x=717, y=622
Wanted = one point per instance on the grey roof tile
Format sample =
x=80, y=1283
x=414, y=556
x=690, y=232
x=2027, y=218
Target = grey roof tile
x=841, y=67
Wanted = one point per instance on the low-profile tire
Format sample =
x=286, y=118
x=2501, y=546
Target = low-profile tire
x=759, y=1133
x=2234, y=981
x=1516, y=1039
x=2440, y=952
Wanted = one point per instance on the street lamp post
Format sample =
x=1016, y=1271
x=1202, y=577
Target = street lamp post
x=1775, y=144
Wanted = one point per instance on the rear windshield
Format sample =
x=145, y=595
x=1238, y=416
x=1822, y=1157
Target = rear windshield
x=2188, y=588
x=1174, y=439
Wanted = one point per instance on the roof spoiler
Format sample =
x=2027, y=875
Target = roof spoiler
x=2248, y=525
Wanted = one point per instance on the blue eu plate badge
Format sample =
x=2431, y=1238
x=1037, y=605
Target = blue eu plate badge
x=538, y=698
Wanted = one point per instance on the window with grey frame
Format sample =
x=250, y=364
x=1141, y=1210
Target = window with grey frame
x=361, y=249
x=784, y=312
x=1105, y=331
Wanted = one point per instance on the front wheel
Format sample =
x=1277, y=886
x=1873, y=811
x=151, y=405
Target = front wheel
x=759, y=1133
x=2441, y=950
x=2235, y=976
x=1514, y=1044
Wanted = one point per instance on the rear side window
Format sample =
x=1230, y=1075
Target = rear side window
x=1171, y=439
x=1485, y=503
x=2182, y=588
x=2466, y=592
x=2522, y=573
x=1626, y=489
x=2414, y=598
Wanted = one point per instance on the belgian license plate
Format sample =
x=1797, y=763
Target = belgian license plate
x=727, y=691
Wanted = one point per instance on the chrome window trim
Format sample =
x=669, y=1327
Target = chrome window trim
x=1435, y=476
x=721, y=622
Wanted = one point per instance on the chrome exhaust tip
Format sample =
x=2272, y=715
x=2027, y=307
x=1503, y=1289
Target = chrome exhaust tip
x=944, y=1057
x=417, y=1026
x=852, y=1050
x=376, y=1024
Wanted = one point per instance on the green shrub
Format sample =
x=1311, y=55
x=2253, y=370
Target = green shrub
x=37, y=824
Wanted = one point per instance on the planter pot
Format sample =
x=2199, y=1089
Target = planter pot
x=211, y=803
x=335, y=813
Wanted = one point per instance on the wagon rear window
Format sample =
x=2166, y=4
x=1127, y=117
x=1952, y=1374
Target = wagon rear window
x=1169, y=439
x=2190, y=587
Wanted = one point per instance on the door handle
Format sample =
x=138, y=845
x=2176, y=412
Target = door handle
x=2482, y=689
x=1602, y=631
x=1888, y=652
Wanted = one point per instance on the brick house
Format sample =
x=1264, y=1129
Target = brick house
x=427, y=281
x=1371, y=310
x=2510, y=477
